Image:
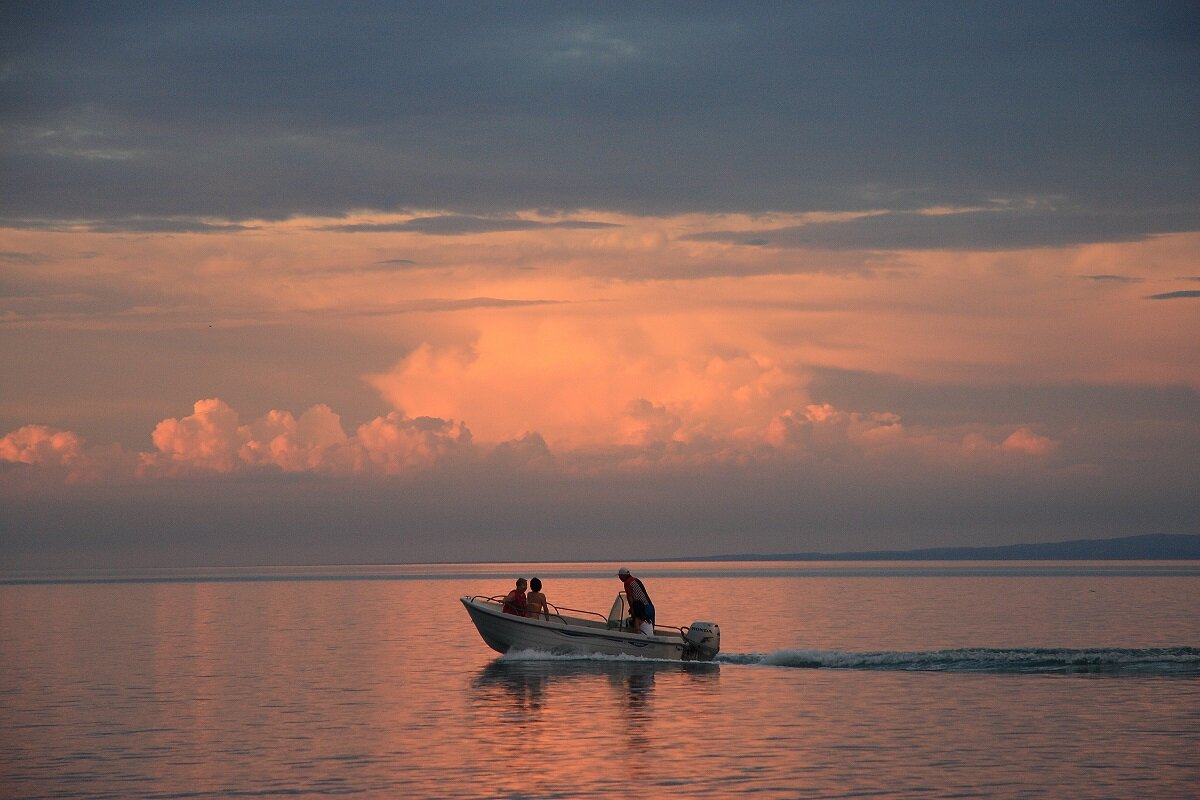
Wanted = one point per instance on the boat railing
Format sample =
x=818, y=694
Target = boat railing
x=557, y=613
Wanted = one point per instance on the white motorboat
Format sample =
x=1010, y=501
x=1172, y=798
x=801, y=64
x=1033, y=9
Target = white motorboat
x=569, y=631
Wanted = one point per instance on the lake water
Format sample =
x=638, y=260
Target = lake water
x=835, y=680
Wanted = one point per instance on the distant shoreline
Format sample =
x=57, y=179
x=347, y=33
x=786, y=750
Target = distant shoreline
x=1147, y=547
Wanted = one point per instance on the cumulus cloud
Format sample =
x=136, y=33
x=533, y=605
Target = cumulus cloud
x=528, y=451
x=1021, y=442
x=209, y=438
x=647, y=422
x=605, y=408
x=583, y=387
x=212, y=439
x=396, y=443
x=38, y=444
x=825, y=433
x=62, y=455
x=1026, y=441
x=308, y=443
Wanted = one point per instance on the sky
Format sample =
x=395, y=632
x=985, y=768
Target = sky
x=293, y=283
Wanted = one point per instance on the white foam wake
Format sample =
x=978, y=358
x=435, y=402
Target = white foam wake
x=1143, y=661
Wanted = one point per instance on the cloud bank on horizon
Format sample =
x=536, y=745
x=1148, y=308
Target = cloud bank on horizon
x=213, y=441
x=675, y=276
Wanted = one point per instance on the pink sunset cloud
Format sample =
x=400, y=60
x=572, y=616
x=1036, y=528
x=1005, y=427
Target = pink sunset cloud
x=1023, y=440
x=213, y=440
x=38, y=453
x=39, y=444
x=568, y=353
x=594, y=382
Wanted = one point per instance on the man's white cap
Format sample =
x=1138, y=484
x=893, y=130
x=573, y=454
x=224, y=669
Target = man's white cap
x=623, y=571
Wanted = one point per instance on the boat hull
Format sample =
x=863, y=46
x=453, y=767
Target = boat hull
x=504, y=632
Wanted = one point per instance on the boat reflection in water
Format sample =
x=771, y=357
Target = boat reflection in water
x=558, y=713
x=523, y=689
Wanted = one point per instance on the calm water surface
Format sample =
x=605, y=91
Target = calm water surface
x=932, y=680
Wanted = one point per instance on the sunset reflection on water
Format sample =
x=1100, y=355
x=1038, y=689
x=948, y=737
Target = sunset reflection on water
x=382, y=687
x=522, y=708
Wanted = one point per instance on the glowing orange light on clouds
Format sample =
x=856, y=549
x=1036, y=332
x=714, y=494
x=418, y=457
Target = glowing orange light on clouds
x=618, y=333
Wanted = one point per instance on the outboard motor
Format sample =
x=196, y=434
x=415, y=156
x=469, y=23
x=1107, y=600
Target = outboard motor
x=702, y=641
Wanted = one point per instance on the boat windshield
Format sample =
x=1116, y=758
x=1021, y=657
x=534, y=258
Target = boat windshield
x=616, y=617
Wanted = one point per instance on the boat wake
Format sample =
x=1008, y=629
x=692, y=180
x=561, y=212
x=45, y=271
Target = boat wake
x=1166, y=661
x=1171, y=661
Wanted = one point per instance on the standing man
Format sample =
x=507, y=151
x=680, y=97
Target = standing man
x=639, y=602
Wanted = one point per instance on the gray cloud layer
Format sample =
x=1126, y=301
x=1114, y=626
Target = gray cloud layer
x=117, y=111
x=1175, y=295
x=459, y=225
x=975, y=230
x=1057, y=405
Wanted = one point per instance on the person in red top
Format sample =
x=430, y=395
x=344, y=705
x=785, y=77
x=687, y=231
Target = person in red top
x=514, y=601
x=639, y=602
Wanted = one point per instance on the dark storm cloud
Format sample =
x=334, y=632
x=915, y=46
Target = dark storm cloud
x=459, y=225
x=238, y=111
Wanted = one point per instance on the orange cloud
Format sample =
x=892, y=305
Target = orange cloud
x=593, y=382
x=395, y=443
x=38, y=444
x=62, y=455
x=824, y=433
x=1026, y=441
x=294, y=445
x=539, y=344
x=937, y=316
x=208, y=439
x=1021, y=442
x=212, y=439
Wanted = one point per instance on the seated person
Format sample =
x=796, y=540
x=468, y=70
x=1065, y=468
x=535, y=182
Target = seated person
x=514, y=601
x=536, y=607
